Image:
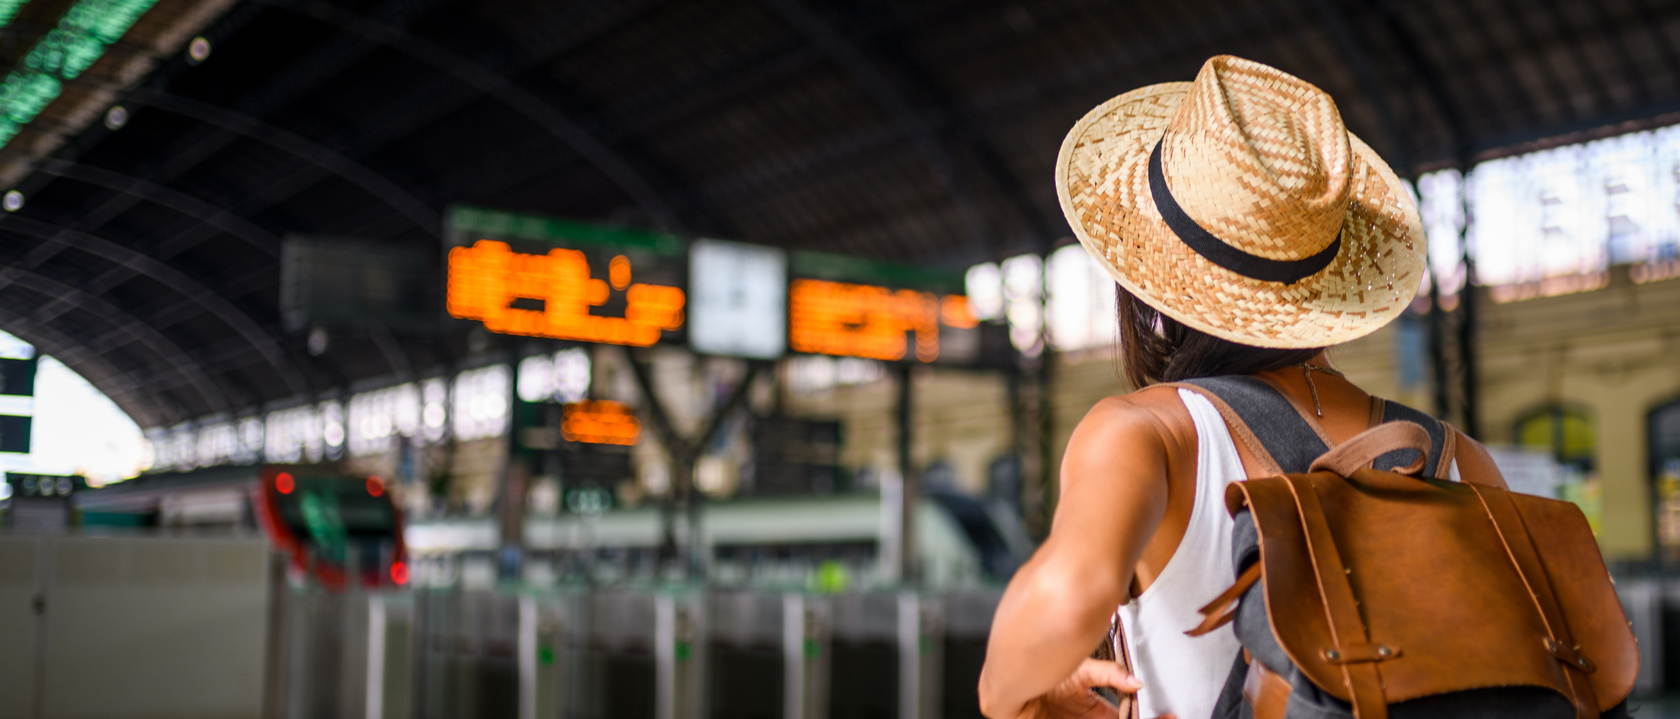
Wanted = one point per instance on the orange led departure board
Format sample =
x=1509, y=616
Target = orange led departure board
x=550, y=295
x=857, y=320
x=600, y=422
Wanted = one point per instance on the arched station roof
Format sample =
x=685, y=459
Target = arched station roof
x=147, y=257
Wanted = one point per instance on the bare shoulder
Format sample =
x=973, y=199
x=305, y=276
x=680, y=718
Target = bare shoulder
x=1145, y=423
x=1152, y=409
x=1475, y=465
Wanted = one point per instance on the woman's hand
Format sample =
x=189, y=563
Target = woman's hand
x=1073, y=699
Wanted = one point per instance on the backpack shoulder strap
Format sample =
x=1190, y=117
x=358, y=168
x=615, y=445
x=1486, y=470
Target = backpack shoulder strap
x=1278, y=432
x=1284, y=436
x=1441, y=442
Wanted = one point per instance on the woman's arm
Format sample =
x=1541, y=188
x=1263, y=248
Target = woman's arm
x=1114, y=488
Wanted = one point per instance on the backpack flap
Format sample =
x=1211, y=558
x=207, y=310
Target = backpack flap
x=1382, y=588
x=1572, y=562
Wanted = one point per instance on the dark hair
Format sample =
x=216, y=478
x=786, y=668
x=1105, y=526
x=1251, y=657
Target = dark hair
x=1157, y=348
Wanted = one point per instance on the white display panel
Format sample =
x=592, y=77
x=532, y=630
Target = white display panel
x=737, y=299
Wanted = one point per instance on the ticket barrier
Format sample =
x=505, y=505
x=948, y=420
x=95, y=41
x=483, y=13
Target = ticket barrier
x=968, y=622
x=769, y=656
x=611, y=654
x=650, y=654
x=887, y=656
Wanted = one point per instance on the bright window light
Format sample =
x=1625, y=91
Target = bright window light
x=378, y=416
x=1554, y=220
x=1080, y=308
x=481, y=402
x=76, y=428
x=984, y=286
x=1023, y=293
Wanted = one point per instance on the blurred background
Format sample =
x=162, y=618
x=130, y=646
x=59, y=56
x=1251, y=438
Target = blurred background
x=711, y=358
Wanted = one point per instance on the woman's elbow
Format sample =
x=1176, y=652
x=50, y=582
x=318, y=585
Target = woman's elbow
x=1067, y=604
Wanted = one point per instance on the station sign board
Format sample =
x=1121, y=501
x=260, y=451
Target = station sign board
x=850, y=307
x=600, y=422
x=545, y=277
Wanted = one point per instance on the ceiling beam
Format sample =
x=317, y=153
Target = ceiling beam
x=898, y=108
x=383, y=188
x=493, y=84
x=132, y=262
x=122, y=323
x=198, y=210
x=146, y=409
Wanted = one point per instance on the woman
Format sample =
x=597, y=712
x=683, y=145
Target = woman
x=1247, y=231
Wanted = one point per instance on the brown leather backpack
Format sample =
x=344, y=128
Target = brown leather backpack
x=1384, y=585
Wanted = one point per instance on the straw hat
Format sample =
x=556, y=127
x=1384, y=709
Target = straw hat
x=1240, y=205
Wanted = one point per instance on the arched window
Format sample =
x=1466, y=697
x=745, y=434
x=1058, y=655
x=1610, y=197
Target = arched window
x=1570, y=437
x=1664, y=427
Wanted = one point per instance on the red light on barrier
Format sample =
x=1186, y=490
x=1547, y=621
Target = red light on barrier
x=375, y=486
x=284, y=483
x=399, y=572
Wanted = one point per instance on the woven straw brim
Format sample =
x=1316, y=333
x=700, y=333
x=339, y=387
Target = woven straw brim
x=1102, y=179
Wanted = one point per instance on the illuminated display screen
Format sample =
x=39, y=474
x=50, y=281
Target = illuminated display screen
x=879, y=320
x=600, y=422
x=540, y=277
x=838, y=318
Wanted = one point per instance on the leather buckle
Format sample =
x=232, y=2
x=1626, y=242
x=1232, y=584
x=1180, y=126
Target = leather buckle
x=1359, y=653
x=1570, y=655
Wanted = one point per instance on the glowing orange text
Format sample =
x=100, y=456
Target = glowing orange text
x=485, y=279
x=836, y=318
x=600, y=422
x=955, y=311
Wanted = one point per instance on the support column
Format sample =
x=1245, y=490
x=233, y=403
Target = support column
x=1438, y=352
x=1467, y=302
x=1029, y=427
x=912, y=486
x=1467, y=353
x=682, y=452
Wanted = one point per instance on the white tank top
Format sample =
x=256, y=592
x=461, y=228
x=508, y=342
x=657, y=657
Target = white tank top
x=1183, y=675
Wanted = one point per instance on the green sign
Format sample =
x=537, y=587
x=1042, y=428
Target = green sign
x=467, y=223
x=845, y=268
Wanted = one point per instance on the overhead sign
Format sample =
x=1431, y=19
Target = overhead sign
x=738, y=296
x=855, y=308
x=543, y=277
x=600, y=422
x=342, y=282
